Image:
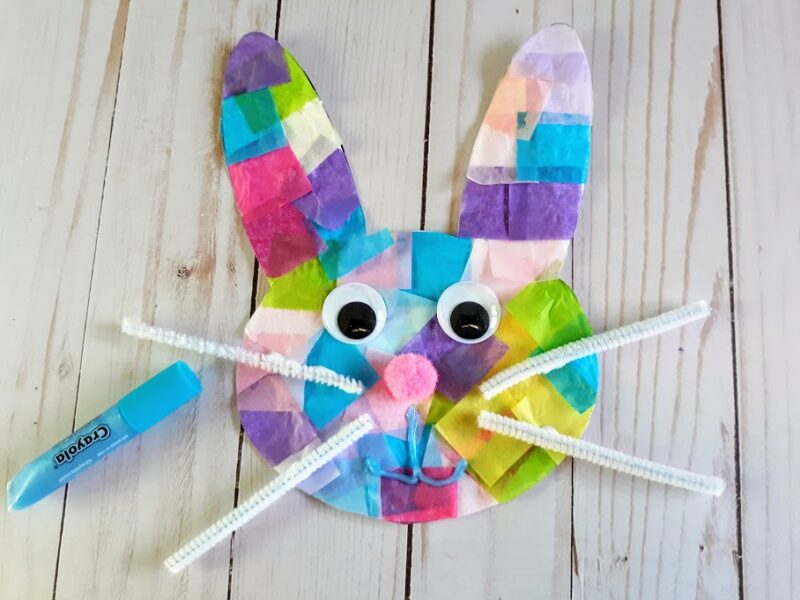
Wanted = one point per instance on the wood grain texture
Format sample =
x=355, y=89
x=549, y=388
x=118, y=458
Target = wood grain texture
x=521, y=549
x=653, y=236
x=371, y=76
x=114, y=202
x=644, y=206
x=169, y=250
x=762, y=62
x=59, y=72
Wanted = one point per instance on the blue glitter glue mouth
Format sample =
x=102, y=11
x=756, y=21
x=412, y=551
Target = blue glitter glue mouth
x=372, y=465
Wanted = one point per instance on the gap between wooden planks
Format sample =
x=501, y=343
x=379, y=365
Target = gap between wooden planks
x=635, y=180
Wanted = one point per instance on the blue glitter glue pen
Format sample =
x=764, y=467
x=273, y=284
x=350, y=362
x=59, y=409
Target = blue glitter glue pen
x=142, y=408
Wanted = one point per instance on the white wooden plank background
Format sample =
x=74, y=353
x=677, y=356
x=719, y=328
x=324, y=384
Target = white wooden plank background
x=763, y=126
x=114, y=201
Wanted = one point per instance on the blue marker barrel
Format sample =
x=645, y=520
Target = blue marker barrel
x=136, y=412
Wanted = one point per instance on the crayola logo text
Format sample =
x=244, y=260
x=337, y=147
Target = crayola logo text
x=99, y=433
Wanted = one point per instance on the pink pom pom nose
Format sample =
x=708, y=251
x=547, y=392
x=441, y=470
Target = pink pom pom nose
x=410, y=377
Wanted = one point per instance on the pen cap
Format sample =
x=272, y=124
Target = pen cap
x=159, y=396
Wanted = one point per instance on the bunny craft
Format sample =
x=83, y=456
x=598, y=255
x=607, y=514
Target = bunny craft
x=421, y=318
x=415, y=376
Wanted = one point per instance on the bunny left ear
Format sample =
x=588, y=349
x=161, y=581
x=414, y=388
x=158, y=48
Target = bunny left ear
x=290, y=176
x=530, y=159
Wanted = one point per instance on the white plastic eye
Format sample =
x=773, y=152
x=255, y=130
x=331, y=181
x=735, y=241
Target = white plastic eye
x=468, y=312
x=354, y=313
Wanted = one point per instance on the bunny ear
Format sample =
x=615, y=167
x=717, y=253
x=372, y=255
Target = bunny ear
x=290, y=176
x=529, y=163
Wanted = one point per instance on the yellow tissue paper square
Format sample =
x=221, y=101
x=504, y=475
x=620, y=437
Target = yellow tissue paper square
x=489, y=455
x=520, y=344
x=540, y=404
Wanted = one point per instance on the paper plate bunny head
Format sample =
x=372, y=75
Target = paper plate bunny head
x=420, y=318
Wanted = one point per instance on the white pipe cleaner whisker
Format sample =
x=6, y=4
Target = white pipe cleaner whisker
x=549, y=439
x=293, y=476
x=271, y=362
x=558, y=357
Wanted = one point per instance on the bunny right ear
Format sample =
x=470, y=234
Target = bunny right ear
x=530, y=159
x=291, y=179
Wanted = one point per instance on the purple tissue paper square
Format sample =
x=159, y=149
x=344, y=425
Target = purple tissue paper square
x=543, y=211
x=460, y=366
x=277, y=435
x=484, y=211
x=567, y=67
x=334, y=197
x=256, y=62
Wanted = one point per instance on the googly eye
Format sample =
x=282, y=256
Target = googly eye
x=468, y=312
x=354, y=313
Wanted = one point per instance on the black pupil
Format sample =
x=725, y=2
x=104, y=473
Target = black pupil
x=356, y=320
x=469, y=320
